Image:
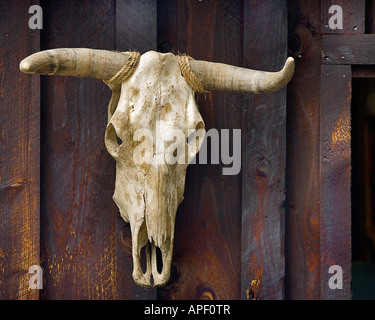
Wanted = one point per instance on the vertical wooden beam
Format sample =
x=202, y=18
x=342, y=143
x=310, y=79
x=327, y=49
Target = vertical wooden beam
x=335, y=206
x=86, y=245
x=19, y=153
x=206, y=259
x=263, y=155
x=303, y=153
x=78, y=220
x=136, y=29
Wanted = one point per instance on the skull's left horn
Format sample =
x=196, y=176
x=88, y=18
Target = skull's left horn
x=78, y=62
x=103, y=64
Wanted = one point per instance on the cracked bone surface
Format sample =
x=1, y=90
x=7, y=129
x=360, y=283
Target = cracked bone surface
x=147, y=116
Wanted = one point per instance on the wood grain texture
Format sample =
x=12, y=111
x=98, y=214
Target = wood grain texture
x=206, y=260
x=353, y=16
x=19, y=154
x=303, y=154
x=226, y=223
x=136, y=25
x=83, y=238
x=78, y=216
x=335, y=206
x=263, y=156
x=349, y=49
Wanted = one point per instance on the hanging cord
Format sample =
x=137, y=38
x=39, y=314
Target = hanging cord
x=190, y=77
x=127, y=70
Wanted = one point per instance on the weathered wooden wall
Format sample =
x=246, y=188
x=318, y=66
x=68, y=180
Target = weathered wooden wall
x=318, y=219
x=86, y=246
x=19, y=154
x=270, y=232
x=263, y=156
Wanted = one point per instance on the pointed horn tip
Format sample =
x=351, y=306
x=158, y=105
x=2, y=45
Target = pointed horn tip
x=289, y=64
x=288, y=70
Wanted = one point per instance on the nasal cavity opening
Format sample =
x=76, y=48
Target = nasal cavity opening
x=159, y=260
x=144, y=256
x=143, y=259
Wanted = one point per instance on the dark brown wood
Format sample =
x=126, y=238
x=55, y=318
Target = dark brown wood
x=303, y=153
x=83, y=240
x=136, y=27
x=19, y=154
x=263, y=156
x=335, y=205
x=230, y=232
x=207, y=250
x=353, y=16
x=78, y=215
x=349, y=49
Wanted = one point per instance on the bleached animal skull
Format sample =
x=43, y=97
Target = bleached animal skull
x=145, y=114
x=156, y=101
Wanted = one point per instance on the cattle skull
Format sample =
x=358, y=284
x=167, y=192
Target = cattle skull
x=144, y=114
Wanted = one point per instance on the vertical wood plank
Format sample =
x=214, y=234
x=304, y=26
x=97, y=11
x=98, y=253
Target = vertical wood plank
x=86, y=245
x=303, y=153
x=207, y=249
x=19, y=153
x=78, y=215
x=263, y=155
x=353, y=16
x=370, y=16
x=335, y=215
x=136, y=29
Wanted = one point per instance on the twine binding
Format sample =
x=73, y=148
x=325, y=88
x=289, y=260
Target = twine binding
x=190, y=78
x=127, y=70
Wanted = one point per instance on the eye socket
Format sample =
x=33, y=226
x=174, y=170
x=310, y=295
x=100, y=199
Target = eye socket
x=118, y=139
x=112, y=141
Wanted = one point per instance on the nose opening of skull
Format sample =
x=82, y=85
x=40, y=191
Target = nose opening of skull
x=143, y=257
x=151, y=263
x=145, y=251
x=159, y=260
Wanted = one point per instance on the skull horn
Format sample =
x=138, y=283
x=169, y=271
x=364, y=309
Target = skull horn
x=224, y=77
x=78, y=62
x=104, y=64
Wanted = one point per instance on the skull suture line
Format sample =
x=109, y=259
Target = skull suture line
x=155, y=98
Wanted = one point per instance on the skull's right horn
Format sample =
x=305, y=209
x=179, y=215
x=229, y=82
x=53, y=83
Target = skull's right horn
x=223, y=77
x=103, y=64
